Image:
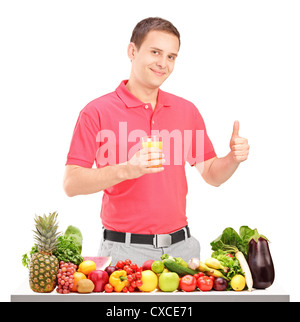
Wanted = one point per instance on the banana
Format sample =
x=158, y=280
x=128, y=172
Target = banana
x=203, y=267
x=210, y=271
x=216, y=273
x=215, y=264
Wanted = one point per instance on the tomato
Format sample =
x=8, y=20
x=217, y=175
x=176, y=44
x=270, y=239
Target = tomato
x=205, y=283
x=120, y=264
x=134, y=266
x=128, y=270
x=229, y=255
x=188, y=283
x=129, y=278
x=131, y=289
x=127, y=261
x=108, y=288
x=212, y=278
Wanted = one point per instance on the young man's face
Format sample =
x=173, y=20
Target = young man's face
x=154, y=61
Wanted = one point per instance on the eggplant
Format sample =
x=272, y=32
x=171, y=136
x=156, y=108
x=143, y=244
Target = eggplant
x=260, y=262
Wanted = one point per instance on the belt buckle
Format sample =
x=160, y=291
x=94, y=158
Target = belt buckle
x=162, y=240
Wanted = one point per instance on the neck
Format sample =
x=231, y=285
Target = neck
x=143, y=93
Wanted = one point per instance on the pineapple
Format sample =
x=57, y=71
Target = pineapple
x=43, y=265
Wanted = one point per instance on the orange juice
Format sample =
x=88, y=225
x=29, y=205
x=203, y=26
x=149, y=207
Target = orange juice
x=152, y=142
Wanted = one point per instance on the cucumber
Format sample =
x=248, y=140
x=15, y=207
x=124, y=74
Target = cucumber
x=172, y=266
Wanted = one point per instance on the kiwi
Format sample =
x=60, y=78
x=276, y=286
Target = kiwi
x=85, y=286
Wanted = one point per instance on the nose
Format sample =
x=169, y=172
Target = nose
x=162, y=61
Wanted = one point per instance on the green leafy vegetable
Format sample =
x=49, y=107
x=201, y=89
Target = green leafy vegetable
x=75, y=233
x=67, y=250
x=246, y=234
x=26, y=258
x=237, y=244
x=230, y=240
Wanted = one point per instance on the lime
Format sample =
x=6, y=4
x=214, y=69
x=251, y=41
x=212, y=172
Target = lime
x=157, y=267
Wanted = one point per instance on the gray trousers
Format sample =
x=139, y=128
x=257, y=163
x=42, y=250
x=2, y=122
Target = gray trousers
x=139, y=253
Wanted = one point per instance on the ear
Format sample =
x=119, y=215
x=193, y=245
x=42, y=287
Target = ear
x=131, y=50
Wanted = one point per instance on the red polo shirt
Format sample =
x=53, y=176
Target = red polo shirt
x=108, y=131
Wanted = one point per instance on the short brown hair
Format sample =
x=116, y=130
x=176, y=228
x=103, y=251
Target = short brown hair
x=153, y=23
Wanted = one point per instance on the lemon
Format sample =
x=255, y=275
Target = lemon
x=157, y=267
x=238, y=282
x=86, y=267
x=150, y=281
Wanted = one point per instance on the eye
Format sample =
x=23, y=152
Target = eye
x=171, y=57
x=155, y=52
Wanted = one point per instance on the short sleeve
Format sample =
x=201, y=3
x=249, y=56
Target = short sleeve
x=84, y=145
x=201, y=147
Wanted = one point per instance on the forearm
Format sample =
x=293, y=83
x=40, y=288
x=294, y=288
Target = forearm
x=82, y=181
x=220, y=170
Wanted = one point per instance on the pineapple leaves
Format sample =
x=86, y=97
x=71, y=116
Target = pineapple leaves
x=46, y=233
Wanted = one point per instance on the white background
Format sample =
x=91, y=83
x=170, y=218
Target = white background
x=238, y=60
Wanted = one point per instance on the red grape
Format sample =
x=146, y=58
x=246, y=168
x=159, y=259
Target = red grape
x=65, y=278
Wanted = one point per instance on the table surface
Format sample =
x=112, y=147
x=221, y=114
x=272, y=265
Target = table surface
x=273, y=294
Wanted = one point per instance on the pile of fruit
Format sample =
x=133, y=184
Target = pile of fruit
x=153, y=275
x=55, y=262
x=167, y=275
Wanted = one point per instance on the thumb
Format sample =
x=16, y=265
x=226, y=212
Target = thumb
x=236, y=127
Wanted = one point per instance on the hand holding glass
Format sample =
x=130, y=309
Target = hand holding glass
x=153, y=141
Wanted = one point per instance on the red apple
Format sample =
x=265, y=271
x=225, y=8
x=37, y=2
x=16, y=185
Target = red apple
x=147, y=265
x=99, y=278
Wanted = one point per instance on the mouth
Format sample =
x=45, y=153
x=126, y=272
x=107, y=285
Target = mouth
x=158, y=73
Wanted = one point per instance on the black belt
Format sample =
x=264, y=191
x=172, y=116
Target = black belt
x=159, y=240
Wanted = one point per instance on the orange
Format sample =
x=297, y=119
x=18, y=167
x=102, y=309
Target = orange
x=86, y=267
x=77, y=277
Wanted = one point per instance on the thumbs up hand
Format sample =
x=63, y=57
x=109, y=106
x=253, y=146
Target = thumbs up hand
x=239, y=146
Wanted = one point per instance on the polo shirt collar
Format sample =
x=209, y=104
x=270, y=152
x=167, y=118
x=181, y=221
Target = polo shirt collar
x=131, y=101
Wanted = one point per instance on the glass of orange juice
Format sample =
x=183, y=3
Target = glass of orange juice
x=152, y=141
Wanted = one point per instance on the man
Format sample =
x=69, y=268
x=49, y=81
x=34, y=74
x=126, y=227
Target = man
x=144, y=202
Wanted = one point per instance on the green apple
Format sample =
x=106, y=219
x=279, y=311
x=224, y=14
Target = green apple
x=168, y=281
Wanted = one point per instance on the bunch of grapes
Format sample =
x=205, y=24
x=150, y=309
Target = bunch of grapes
x=134, y=275
x=65, y=277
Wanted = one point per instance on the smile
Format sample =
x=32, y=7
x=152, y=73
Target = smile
x=158, y=73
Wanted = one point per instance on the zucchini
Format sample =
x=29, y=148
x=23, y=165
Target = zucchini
x=172, y=266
